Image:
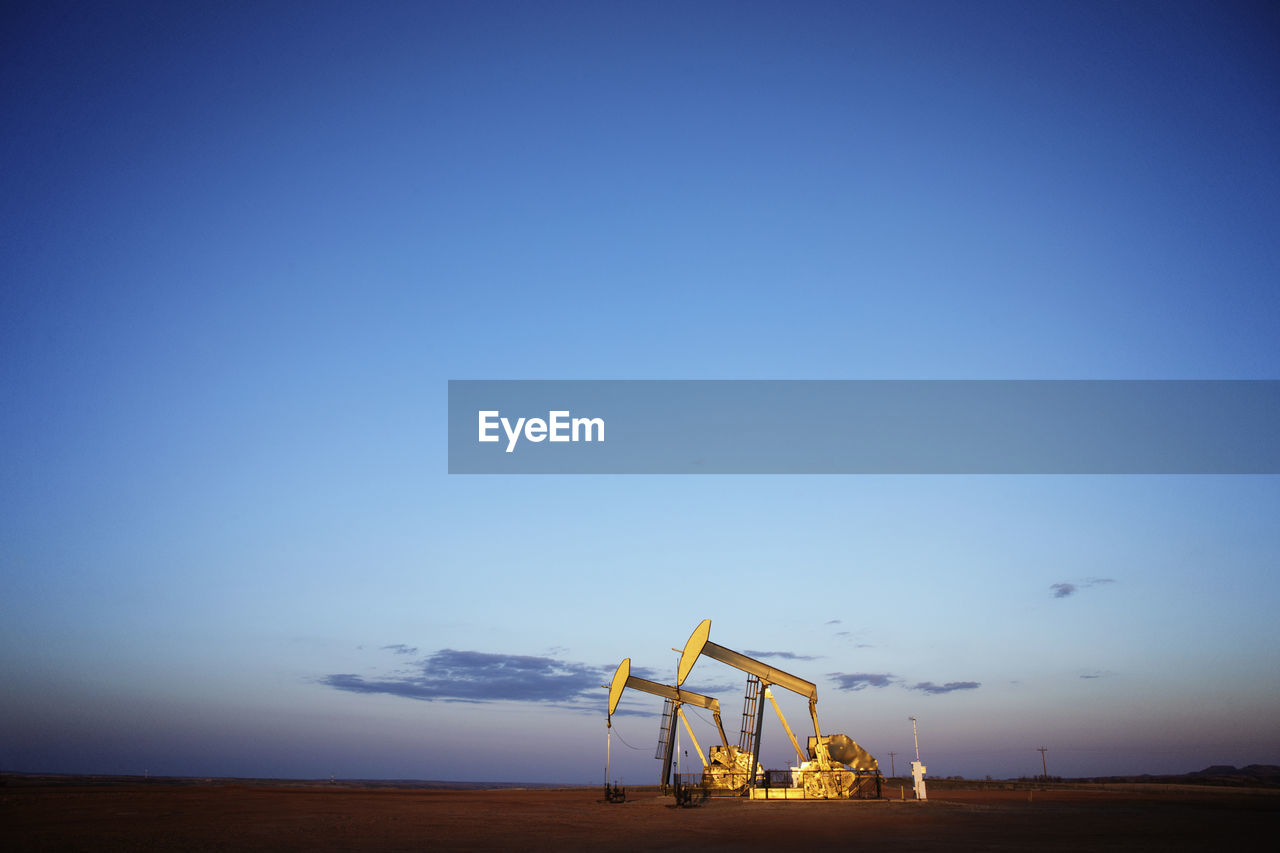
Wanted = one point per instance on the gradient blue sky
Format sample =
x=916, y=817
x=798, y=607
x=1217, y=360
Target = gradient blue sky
x=246, y=245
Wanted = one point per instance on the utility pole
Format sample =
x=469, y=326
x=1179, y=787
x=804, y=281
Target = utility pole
x=1043, y=766
x=892, y=771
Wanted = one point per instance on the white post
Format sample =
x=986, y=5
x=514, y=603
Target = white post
x=917, y=769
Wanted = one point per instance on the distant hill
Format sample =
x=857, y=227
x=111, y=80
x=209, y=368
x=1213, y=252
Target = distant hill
x=1253, y=775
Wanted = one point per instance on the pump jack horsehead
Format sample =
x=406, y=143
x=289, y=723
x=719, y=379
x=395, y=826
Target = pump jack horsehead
x=822, y=770
x=622, y=679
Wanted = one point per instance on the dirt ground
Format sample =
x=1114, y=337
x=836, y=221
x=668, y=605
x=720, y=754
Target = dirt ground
x=233, y=817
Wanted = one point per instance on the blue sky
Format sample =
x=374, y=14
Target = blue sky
x=246, y=247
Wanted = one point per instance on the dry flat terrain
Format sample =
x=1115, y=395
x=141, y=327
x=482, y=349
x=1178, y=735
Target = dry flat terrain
x=223, y=816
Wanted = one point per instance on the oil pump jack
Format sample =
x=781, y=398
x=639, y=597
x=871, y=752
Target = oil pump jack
x=833, y=766
x=675, y=698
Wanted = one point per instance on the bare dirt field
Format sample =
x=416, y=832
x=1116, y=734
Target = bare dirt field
x=234, y=817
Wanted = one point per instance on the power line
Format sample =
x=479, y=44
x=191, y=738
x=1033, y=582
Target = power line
x=624, y=742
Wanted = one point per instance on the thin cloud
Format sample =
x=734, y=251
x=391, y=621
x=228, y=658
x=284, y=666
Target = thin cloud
x=402, y=649
x=853, y=681
x=783, y=655
x=861, y=680
x=1098, y=673
x=1066, y=588
x=951, y=686
x=451, y=675
x=832, y=622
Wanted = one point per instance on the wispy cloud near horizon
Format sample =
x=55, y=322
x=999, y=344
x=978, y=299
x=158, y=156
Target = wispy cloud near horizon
x=950, y=687
x=861, y=680
x=783, y=655
x=1068, y=588
x=452, y=675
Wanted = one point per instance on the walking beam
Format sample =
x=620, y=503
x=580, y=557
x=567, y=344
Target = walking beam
x=700, y=644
